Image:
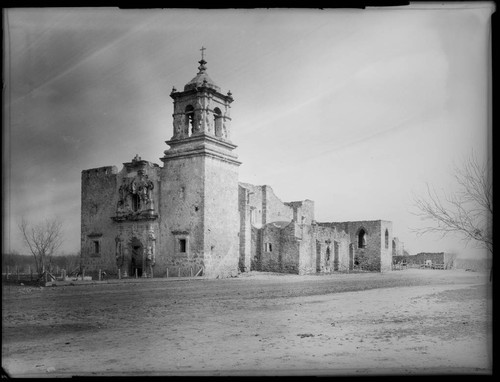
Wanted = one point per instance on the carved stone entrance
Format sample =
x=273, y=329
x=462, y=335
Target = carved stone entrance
x=136, y=262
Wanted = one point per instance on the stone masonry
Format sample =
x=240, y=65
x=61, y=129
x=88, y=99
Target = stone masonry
x=193, y=216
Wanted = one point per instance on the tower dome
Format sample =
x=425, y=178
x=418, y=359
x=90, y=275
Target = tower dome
x=202, y=78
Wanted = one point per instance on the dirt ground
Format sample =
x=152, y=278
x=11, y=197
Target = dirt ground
x=401, y=322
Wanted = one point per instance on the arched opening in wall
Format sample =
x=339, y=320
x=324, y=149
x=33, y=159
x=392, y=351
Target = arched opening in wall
x=189, y=112
x=361, y=238
x=393, y=247
x=218, y=122
x=136, y=261
x=386, y=239
x=136, y=202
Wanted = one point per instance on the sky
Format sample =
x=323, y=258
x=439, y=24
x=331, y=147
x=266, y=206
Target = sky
x=354, y=109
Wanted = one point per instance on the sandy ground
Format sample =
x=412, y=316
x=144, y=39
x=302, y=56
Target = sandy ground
x=401, y=322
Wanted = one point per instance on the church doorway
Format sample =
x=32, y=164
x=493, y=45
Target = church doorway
x=136, y=262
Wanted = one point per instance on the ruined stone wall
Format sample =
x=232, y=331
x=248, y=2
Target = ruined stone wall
x=273, y=208
x=330, y=241
x=386, y=245
x=290, y=248
x=367, y=258
x=397, y=247
x=308, y=251
x=374, y=256
x=255, y=201
x=245, y=230
x=221, y=218
x=99, y=200
x=271, y=242
x=302, y=211
x=280, y=248
x=256, y=249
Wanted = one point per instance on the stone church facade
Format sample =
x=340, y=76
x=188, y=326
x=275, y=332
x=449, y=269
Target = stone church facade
x=192, y=216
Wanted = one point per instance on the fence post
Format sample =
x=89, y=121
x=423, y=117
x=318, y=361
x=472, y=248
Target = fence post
x=179, y=272
x=191, y=271
x=135, y=272
x=167, y=272
x=83, y=273
x=119, y=274
x=151, y=269
x=7, y=272
x=99, y=275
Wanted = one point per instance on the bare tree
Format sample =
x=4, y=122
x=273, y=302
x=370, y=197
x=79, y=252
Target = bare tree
x=42, y=239
x=467, y=212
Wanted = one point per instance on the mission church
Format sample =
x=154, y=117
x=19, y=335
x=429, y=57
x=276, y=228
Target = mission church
x=192, y=216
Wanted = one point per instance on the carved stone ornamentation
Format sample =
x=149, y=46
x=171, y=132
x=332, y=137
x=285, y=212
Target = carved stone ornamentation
x=135, y=198
x=119, y=252
x=150, y=249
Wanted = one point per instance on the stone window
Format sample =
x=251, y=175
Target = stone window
x=386, y=239
x=182, y=245
x=218, y=122
x=97, y=247
x=361, y=238
x=189, y=111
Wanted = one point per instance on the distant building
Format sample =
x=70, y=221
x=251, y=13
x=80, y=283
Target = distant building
x=192, y=214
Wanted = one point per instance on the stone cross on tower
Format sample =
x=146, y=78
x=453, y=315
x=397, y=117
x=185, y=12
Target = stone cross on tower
x=203, y=52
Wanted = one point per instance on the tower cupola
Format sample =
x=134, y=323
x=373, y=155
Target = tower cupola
x=201, y=109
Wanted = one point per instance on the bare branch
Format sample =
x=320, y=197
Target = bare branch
x=468, y=212
x=42, y=239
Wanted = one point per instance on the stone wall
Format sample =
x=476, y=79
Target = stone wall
x=265, y=207
x=332, y=249
x=290, y=248
x=254, y=201
x=280, y=248
x=221, y=218
x=374, y=256
x=302, y=211
x=105, y=218
x=99, y=198
x=308, y=251
x=397, y=247
x=271, y=248
x=245, y=230
x=273, y=208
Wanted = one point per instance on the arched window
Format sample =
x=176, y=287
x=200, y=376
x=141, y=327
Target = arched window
x=189, y=119
x=386, y=239
x=218, y=122
x=361, y=238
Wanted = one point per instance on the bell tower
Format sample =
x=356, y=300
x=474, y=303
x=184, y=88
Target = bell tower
x=199, y=182
x=201, y=109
